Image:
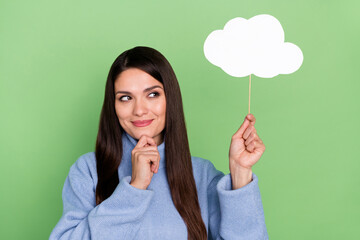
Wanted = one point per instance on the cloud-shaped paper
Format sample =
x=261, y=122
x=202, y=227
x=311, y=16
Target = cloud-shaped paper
x=255, y=46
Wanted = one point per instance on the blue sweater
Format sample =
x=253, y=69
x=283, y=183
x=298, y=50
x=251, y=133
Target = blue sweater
x=131, y=213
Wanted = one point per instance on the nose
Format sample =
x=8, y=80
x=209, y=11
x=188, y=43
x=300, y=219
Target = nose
x=140, y=108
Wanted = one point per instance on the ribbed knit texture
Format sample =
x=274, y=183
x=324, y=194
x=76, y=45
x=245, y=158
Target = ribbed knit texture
x=131, y=213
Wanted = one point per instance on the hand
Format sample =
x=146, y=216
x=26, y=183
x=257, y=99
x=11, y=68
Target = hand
x=145, y=159
x=246, y=149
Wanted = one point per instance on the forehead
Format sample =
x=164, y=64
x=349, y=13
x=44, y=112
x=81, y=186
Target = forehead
x=135, y=79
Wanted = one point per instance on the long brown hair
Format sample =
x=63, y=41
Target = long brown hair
x=178, y=159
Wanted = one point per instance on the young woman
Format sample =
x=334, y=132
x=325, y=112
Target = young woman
x=142, y=183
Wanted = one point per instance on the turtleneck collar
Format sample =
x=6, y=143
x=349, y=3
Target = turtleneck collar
x=129, y=143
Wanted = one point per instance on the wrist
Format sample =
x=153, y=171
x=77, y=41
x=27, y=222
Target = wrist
x=138, y=186
x=240, y=177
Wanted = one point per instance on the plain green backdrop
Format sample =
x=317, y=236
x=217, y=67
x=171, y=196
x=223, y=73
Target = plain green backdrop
x=54, y=59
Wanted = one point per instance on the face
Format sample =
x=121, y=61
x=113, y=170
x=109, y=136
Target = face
x=140, y=104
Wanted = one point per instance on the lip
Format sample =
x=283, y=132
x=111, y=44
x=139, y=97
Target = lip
x=142, y=123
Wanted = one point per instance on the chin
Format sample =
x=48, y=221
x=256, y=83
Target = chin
x=139, y=134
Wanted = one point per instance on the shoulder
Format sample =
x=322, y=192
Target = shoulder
x=84, y=167
x=85, y=161
x=204, y=170
x=199, y=162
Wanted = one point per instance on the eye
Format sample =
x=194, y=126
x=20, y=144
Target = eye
x=124, y=98
x=154, y=94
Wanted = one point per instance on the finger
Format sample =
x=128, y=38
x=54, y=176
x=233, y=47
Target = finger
x=157, y=164
x=251, y=118
x=251, y=147
x=239, y=133
x=252, y=137
x=145, y=140
x=256, y=146
x=142, y=154
x=261, y=146
x=147, y=158
x=142, y=142
x=250, y=129
x=150, y=140
x=137, y=151
x=153, y=167
x=150, y=157
x=146, y=148
x=154, y=163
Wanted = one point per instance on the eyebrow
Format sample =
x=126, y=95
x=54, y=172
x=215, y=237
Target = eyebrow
x=145, y=90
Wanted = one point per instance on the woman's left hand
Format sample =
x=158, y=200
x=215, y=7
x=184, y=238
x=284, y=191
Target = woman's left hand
x=246, y=149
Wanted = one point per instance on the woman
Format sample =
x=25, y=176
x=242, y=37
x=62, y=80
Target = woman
x=142, y=183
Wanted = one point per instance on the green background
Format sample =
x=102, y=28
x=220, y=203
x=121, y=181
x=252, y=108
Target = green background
x=54, y=59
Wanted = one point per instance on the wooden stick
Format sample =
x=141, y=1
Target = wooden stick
x=249, y=90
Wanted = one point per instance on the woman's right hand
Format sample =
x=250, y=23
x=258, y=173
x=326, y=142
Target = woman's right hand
x=145, y=159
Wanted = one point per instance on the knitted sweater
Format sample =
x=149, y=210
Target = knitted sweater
x=131, y=213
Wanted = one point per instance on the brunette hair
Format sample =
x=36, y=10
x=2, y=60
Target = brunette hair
x=178, y=159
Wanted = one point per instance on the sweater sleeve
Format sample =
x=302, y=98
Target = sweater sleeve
x=117, y=217
x=235, y=214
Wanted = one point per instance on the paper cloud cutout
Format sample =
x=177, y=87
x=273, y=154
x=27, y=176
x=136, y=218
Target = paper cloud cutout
x=255, y=46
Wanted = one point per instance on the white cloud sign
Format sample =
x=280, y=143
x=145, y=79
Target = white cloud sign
x=255, y=46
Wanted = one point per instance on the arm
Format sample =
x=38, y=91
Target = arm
x=235, y=214
x=246, y=149
x=242, y=215
x=117, y=217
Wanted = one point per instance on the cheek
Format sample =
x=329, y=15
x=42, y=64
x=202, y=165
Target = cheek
x=121, y=112
x=161, y=109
